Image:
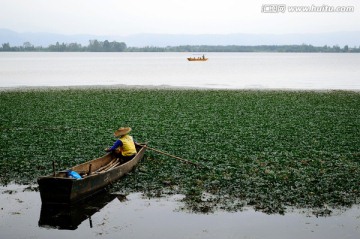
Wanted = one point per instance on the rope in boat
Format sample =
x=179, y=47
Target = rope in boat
x=112, y=164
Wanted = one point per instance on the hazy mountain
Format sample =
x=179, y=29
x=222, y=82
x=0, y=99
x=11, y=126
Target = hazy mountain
x=321, y=39
x=162, y=40
x=45, y=39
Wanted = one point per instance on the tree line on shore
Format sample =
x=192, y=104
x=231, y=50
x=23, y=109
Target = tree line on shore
x=114, y=46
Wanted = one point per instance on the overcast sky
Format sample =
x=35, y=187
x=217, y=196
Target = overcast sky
x=124, y=17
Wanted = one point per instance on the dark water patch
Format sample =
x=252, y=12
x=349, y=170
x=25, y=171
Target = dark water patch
x=65, y=217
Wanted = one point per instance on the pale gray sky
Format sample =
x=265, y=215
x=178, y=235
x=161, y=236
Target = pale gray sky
x=123, y=17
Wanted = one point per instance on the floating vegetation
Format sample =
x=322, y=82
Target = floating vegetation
x=267, y=149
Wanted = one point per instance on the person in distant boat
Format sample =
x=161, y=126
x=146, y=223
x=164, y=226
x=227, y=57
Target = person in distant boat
x=203, y=57
x=124, y=147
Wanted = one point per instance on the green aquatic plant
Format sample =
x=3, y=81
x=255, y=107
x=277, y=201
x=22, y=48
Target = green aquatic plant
x=267, y=149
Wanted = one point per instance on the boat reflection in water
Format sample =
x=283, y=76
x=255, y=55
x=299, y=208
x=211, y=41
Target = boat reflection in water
x=69, y=217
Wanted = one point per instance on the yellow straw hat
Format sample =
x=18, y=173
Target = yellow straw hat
x=122, y=131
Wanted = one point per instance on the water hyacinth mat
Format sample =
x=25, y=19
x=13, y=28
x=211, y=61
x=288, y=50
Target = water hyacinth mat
x=271, y=150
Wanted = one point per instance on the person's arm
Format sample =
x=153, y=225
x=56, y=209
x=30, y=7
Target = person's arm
x=117, y=144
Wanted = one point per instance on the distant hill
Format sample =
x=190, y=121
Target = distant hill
x=44, y=39
x=162, y=40
x=337, y=38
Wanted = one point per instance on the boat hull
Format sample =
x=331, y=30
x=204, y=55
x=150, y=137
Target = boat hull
x=197, y=59
x=63, y=190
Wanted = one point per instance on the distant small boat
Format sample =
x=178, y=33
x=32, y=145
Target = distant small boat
x=202, y=58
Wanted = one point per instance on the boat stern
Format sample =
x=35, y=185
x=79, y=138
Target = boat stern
x=55, y=190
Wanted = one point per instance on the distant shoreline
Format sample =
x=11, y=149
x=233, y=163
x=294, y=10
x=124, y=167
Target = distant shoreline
x=160, y=87
x=114, y=46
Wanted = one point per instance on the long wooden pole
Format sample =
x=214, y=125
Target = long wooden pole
x=173, y=156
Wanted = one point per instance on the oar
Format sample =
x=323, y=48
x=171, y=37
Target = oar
x=175, y=157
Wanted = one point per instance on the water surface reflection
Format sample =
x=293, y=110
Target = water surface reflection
x=69, y=217
x=106, y=216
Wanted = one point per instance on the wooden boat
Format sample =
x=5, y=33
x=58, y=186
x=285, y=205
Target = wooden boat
x=96, y=174
x=197, y=59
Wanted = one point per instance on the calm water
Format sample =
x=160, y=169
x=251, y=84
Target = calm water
x=222, y=70
x=108, y=216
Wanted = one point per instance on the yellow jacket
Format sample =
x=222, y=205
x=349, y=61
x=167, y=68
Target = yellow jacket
x=128, y=146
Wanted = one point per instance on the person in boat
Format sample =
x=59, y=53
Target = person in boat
x=124, y=146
